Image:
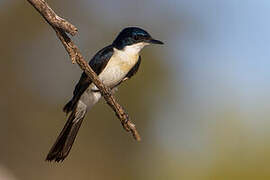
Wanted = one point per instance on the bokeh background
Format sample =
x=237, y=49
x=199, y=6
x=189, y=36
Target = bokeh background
x=200, y=102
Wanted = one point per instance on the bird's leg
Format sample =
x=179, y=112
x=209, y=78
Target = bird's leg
x=126, y=78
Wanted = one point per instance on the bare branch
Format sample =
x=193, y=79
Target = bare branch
x=61, y=26
x=53, y=19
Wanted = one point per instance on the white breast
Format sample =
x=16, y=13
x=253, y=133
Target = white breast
x=120, y=64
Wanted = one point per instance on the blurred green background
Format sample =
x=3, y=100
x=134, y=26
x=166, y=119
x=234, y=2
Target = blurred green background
x=200, y=102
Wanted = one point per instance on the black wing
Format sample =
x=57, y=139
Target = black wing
x=97, y=63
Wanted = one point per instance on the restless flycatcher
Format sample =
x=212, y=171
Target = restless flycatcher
x=113, y=65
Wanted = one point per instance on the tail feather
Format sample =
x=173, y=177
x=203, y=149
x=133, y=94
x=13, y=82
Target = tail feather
x=65, y=140
x=69, y=106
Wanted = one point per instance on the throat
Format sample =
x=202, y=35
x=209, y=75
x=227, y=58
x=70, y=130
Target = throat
x=126, y=57
x=134, y=49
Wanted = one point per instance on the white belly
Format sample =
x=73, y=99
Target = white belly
x=116, y=70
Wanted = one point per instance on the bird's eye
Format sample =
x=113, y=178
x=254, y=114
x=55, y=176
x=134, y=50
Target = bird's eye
x=136, y=37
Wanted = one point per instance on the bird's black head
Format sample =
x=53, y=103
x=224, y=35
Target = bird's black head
x=133, y=35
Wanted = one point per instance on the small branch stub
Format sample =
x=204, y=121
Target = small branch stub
x=61, y=27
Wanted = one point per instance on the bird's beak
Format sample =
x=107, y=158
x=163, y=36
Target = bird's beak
x=154, y=41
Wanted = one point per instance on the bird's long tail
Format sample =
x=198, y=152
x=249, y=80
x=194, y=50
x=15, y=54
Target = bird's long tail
x=65, y=140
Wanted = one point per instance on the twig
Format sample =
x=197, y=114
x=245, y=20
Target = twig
x=53, y=19
x=61, y=26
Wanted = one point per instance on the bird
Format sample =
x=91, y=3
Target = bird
x=113, y=64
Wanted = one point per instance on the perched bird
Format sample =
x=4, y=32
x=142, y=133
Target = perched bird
x=113, y=65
